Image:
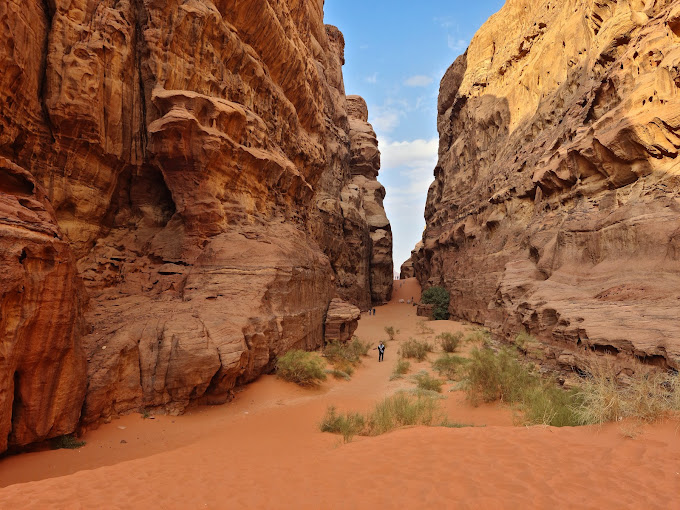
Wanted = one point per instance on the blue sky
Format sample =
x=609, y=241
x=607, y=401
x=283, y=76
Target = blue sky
x=395, y=55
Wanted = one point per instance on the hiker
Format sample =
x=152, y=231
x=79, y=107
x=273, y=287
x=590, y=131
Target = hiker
x=374, y=311
x=381, y=351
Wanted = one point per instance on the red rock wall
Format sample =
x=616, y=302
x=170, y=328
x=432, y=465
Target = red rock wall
x=556, y=201
x=187, y=150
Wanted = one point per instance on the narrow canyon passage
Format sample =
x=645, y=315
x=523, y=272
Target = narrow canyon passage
x=264, y=449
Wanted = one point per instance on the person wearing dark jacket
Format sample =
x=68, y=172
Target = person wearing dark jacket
x=381, y=351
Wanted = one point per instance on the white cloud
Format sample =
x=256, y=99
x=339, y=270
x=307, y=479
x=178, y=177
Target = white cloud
x=444, y=21
x=415, y=154
x=456, y=44
x=386, y=120
x=407, y=172
x=372, y=78
x=418, y=80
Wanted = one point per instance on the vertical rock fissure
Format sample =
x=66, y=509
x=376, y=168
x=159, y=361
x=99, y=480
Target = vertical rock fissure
x=141, y=18
x=16, y=405
x=42, y=84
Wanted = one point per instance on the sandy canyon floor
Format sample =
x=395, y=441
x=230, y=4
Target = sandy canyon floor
x=265, y=450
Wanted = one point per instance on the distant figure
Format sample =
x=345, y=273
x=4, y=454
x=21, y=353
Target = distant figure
x=408, y=302
x=374, y=311
x=381, y=351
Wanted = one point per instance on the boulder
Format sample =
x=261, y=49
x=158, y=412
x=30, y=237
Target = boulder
x=424, y=310
x=342, y=320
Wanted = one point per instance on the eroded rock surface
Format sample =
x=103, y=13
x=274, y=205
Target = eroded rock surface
x=42, y=365
x=365, y=164
x=198, y=160
x=342, y=320
x=556, y=201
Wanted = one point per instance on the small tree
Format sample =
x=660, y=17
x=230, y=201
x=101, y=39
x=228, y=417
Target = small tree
x=439, y=297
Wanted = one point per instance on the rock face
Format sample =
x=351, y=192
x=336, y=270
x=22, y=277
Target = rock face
x=198, y=213
x=406, y=270
x=42, y=367
x=365, y=164
x=342, y=320
x=556, y=201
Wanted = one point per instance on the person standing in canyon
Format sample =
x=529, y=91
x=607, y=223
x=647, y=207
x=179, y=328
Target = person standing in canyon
x=381, y=350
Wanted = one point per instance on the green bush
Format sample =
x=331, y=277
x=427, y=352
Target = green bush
x=439, y=297
x=359, y=347
x=481, y=336
x=301, y=367
x=401, y=368
x=426, y=382
x=66, y=442
x=402, y=409
x=349, y=425
x=449, y=366
x=345, y=356
x=415, y=349
x=449, y=341
x=399, y=410
x=390, y=332
x=491, y=376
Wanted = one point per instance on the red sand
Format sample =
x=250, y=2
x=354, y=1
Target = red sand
x=264, y=450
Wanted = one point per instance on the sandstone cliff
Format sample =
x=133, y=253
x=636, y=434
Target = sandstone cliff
x=556, y=201
x=166, y=170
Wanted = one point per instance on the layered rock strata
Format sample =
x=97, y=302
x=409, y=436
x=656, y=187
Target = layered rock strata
x=42, y=367
x=406, y=270
x=556, y=201
x=364, y=166
x=187, y=151
x=342, y=320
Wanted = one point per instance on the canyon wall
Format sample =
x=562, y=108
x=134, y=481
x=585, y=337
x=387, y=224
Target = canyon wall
x=556, y=202
x=178, y=202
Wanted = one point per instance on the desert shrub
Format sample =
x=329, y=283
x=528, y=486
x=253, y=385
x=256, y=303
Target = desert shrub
x=449, y=341
x=349, y=424
x=339, y=374
x=548, y=404
x=399, y=410
x=345, y=356
x=390, y=332
x=648, y=397
x=478, y=336
x=439, y=297
x=523, y=339
x=301, y=367
x=401, y=368
x=423, y=328
x=426, y=382
x=448, y=366
x=66, y=442
x=358, y=347
x=494, y=376
x=415, y=349
x=402, y=409
x=491, y=376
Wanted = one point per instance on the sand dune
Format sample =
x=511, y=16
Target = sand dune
x=264, y=450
